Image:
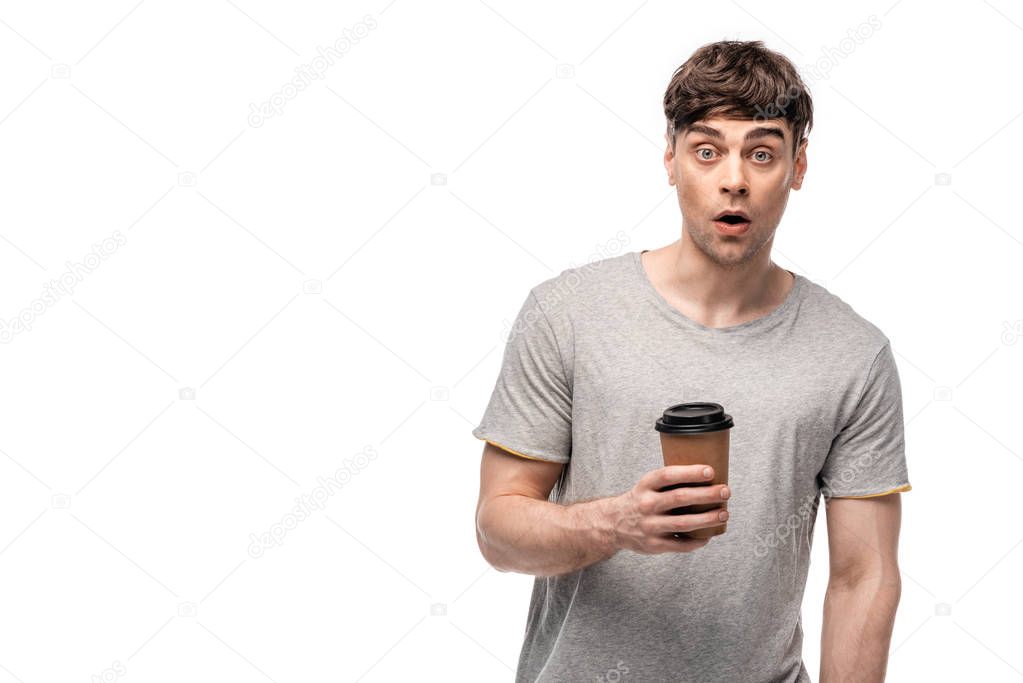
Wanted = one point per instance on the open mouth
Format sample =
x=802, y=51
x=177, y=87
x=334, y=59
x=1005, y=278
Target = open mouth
x=733, y=219
x=732, y=222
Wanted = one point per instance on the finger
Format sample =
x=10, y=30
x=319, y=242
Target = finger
x=692, y=495
x=667, y=544
x=675, y=474
x=666, y=524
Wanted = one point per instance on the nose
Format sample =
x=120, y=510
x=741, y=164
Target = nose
x=733, y=180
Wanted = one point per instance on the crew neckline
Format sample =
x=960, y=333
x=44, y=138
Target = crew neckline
x=778, y=312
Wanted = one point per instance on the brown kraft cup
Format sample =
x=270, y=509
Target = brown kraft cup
x=696, y=434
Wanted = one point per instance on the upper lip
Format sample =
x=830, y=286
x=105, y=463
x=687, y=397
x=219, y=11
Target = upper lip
x=731, y=212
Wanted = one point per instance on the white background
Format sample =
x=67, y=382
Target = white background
x=337, y=278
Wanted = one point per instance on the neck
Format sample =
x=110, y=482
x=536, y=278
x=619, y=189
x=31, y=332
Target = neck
x=719, y=295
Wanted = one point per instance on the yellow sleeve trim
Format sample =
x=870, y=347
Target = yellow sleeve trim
x=521, y=455
x=900, y=489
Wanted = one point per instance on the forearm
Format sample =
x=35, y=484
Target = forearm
x=538, y=537
x=857, y=631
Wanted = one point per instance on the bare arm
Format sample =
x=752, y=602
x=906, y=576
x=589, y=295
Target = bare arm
x=863, y=589
x=519, y=530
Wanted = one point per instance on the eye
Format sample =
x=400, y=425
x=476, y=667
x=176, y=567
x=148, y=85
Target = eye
x=704, y=149
x=760, y=151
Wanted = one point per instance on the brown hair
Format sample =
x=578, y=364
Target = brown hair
x=738, y=80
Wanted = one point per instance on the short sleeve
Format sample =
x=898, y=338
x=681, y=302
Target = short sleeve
x=868, y=456
x=530, y=409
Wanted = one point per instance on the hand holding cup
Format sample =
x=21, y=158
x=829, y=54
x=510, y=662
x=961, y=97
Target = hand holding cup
x=647, y=521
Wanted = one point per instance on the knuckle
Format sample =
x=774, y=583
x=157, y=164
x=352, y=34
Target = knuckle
x=687, y=523
x=650, y=546
x=698, y=520
x=711, y=494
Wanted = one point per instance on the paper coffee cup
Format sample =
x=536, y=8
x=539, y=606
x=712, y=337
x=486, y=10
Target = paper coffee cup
x=696, y=433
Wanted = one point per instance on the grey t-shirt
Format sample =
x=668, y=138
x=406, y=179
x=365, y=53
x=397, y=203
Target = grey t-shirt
x=594, y=356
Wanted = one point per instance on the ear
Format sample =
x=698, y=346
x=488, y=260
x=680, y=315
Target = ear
x=800, y=166
x=669, y=160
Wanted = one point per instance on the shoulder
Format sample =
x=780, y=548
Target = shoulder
x=575, y=289
x=831, y=317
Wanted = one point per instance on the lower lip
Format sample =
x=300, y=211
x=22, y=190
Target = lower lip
x=729, y=229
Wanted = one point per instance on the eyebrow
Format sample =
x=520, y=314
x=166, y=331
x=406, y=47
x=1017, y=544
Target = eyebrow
x=755, y=134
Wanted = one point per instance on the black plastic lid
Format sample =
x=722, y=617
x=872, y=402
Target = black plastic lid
x=693, y=418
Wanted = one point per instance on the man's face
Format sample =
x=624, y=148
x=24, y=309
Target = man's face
x=722, y=165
